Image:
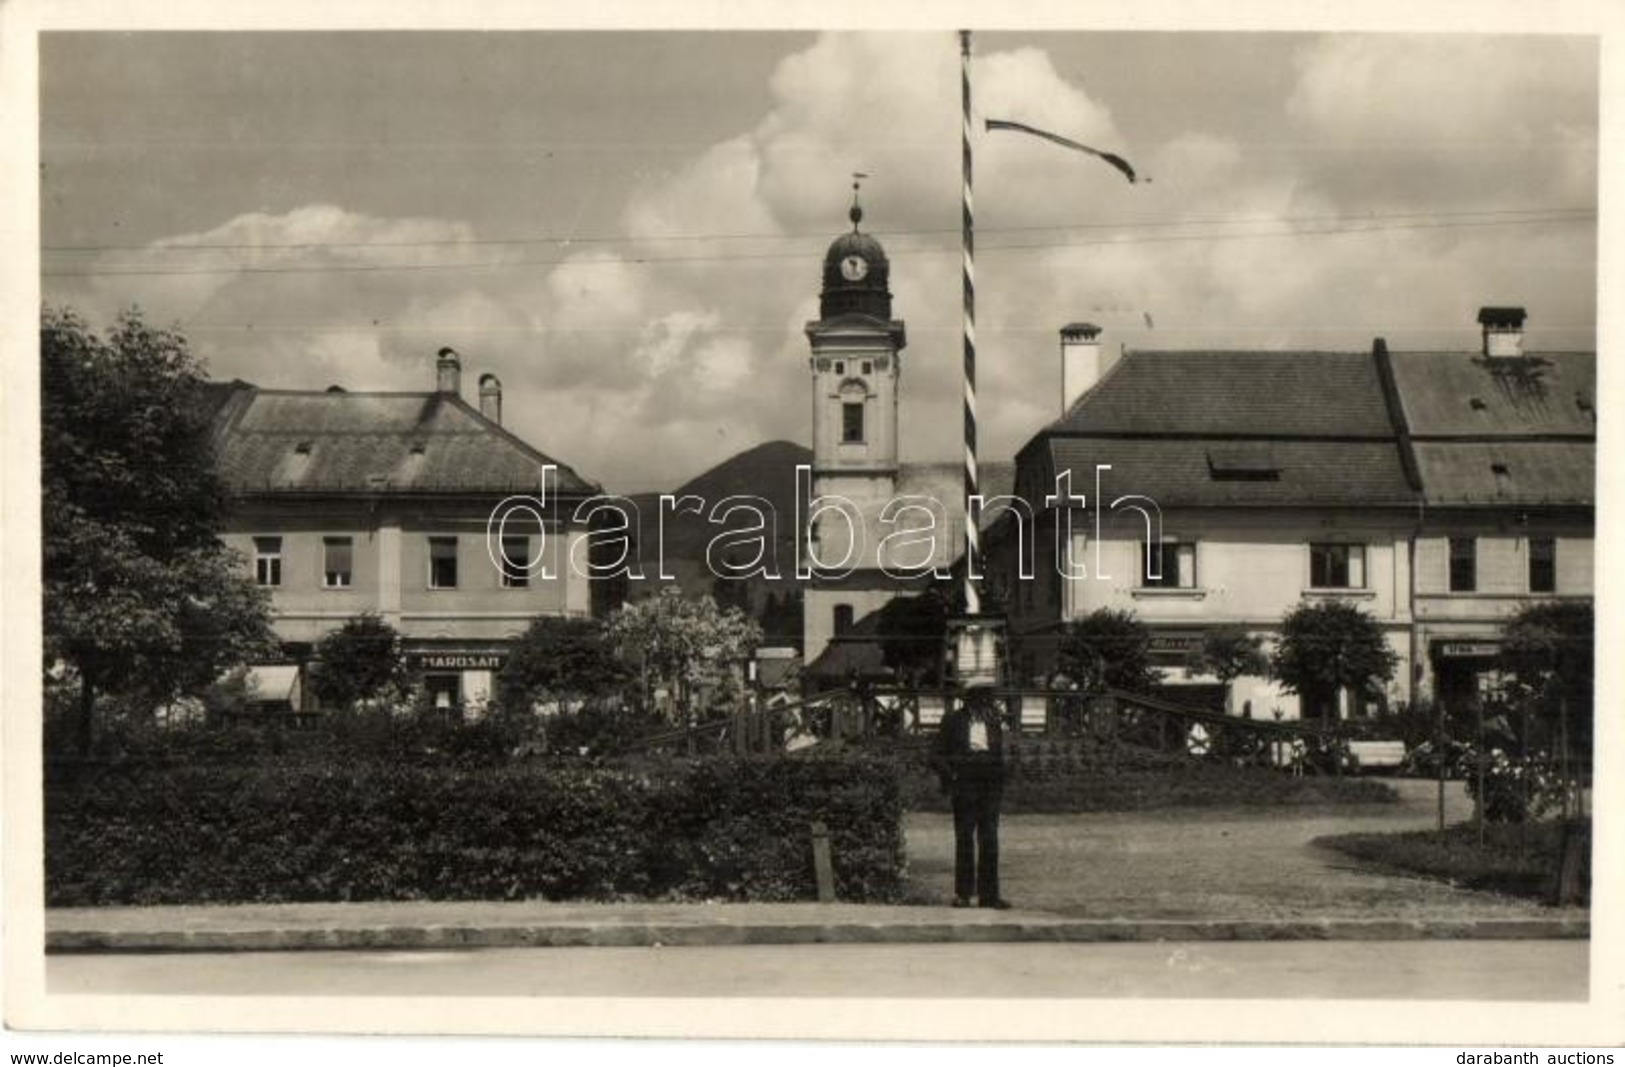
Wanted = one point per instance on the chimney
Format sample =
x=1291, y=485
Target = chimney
x=1503, y=332
x=1082, y=362
x=491, y=398
x=448, y=373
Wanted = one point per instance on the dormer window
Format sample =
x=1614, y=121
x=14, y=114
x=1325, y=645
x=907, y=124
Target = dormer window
x=1477, y=403
x=418, y=448
x=302, y=448
x=1244, y=463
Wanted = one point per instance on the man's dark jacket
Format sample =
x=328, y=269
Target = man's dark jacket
x=953, y=759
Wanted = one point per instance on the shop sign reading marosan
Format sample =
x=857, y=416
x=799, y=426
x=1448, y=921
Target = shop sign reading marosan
x=460, y=661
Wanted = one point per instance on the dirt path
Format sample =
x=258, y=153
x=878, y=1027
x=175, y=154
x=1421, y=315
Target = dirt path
x=1202, y=864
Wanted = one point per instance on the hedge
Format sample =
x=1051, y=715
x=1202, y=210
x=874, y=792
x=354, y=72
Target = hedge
x=1149, y=787
x=308, y=829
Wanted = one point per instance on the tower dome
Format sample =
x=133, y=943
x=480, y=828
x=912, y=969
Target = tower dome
x=856, y=275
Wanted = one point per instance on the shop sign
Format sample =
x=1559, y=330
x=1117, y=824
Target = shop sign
x=1175, y=642
x=1467, y=649
x=460, y=661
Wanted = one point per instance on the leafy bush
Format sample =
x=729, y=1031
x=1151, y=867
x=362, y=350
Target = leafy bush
x=309, y=826
x=1517, y=789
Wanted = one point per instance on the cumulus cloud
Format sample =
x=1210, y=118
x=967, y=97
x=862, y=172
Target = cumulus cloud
x=643, y=360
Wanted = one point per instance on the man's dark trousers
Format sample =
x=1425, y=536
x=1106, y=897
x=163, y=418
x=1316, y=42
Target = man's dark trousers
x=976, y=862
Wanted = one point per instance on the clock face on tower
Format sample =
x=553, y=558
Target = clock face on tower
x=853, y=268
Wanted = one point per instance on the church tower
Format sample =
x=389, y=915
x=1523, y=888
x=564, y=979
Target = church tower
x=855, y=365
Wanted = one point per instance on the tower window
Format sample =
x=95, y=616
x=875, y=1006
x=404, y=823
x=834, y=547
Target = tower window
x=852, y=423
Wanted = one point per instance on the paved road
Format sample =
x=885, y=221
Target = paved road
x=1428, y=970
x=1188, y=863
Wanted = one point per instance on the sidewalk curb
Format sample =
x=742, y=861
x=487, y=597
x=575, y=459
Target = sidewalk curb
x=453, y=936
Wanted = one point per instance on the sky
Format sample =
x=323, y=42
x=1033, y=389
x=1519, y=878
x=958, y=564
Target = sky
x=627, y=227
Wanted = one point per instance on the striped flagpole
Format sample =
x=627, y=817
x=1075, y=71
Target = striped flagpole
x=973, y=533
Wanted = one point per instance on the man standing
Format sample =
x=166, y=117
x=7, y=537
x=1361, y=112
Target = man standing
x=969, y=760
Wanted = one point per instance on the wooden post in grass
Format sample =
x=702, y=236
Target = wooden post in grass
x=823, y=863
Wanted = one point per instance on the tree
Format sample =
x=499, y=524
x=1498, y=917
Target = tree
x=1547, y=654
x=362, y=661
x=1108, y=650
x=142, y=600
x=913, y=632
x=689, y=646
x=560, y=660
x=1331, y=646
x=1228, y=653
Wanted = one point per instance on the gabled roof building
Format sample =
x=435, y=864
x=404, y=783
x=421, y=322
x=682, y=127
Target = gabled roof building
x=347, y=503
x=1437, y=491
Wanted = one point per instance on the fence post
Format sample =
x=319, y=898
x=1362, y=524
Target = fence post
x=823, y=863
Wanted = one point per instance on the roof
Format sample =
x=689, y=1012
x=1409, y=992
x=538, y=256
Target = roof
x=271, y=440
x=1468, y=394
x=1200, y=473
x=1247, y=393
x=1259, y=429
x=1509, y=472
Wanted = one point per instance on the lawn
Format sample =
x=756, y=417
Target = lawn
x=1518, y=859
x=1196, y=786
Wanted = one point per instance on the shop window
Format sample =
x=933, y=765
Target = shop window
x=852, y=422
x=442, y=563
x=268, y=561
x=1174, y=565
x=338, y=555
x=515, y=561
x=1542, y=565
x=445, y=691
x=1336, y=566
x=1463, y=564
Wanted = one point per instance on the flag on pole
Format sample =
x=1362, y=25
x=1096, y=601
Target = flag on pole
x=1115, y=160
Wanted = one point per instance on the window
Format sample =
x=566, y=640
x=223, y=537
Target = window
x=843, y=618
x=840, y=366
x=337, y=558
x=1334, y=566
x=442, y=563
x=1463, y=564
x=268, y=560
x=445, y=691
x=1542, y=565
x=1176, y=565
x=852, y=422
x=515, y=560
x=868, y=367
